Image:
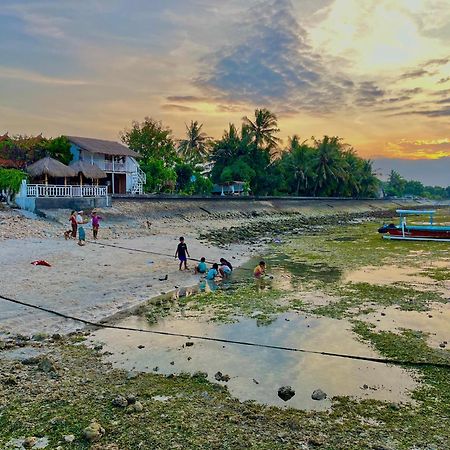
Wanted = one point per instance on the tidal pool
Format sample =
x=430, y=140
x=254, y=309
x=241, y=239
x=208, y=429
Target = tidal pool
x=256, y=373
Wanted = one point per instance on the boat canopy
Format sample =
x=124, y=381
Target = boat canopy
x=413, y=211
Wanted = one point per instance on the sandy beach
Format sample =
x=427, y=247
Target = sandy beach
x=94, y=281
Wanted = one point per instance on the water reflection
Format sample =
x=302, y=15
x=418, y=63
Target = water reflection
x=257, y=373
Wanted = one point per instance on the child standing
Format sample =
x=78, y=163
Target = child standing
x=181, y=252
x=95, y=223
x=81, y=232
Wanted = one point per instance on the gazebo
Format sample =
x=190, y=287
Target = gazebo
x=88, y=171
x=49, y=167
x=41, y=194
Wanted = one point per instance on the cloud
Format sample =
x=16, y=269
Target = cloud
x=416, y=90
x=188, y=99
x=368, y=93
x=415, y=74
x=437, y=62
x=441, y=112
x=443, y=101
x=181, y=108
x=444, y=80
x=419, y=148
x=275, y=66
x=35, y=77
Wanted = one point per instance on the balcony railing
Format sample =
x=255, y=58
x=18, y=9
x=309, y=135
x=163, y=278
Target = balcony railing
x=118, y=167
x=54, y=190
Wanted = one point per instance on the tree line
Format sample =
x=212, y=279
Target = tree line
x=251, y=153
x=397, y=186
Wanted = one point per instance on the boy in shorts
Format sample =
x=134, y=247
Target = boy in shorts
x=181, y=252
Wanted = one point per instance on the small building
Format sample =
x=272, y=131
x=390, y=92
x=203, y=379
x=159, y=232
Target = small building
x=55, y=185
x=230, y=188
x=124, y=176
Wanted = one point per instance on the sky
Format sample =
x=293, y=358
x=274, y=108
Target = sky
x=375, y=72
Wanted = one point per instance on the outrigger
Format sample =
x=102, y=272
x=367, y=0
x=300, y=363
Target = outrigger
x=403, y=231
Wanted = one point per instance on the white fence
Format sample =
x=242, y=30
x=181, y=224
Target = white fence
x=54, y=190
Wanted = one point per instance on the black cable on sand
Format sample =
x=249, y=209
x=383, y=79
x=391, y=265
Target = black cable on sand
x=229, y=341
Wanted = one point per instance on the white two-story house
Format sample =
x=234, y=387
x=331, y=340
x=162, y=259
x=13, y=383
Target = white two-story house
x=117, y=160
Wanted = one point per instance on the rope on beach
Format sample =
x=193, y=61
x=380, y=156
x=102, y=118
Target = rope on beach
x=149, y=252
x=231, y=341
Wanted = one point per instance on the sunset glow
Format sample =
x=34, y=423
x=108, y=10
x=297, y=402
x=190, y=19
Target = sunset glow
x=376, y=72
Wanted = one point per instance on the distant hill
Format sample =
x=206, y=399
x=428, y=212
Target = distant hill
x=431, y=172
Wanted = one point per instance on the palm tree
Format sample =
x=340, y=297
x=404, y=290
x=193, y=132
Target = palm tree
x=227, y=147
x=196, y=147
x=328, y=165
x=369, y=182
x=298, y=162
x=262, y=129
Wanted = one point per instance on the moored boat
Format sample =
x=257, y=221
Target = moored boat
x=403, y=231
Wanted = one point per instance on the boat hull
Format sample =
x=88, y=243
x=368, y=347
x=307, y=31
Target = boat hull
x=424, y=234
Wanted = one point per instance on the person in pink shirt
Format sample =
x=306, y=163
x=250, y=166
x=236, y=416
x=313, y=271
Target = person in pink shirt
x=95, y=223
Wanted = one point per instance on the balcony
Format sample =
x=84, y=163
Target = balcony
x=116, y=167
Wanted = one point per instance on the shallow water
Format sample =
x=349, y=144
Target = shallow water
x=257, y=373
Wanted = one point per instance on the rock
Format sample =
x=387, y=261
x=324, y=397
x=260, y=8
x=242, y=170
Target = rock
x=189, y=344
x=93, y=432
x=220, y=377
x=165, y=278
x=136, y=407
x=69, y=438
x=318, y=394
x=120, y=401
x=286, y=393
x=131, y=399
x=46, y=365
x=29, y=442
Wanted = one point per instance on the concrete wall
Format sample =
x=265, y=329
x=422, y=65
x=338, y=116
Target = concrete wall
x=71, y=203
x=26, y=203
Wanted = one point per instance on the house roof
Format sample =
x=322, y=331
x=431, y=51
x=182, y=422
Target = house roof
x=88, y=170
x=52, y=167
x=101, y=146
x=9, y=163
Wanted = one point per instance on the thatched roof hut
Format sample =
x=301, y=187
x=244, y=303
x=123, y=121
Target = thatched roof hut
x=88, y=170
x=50, y=167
